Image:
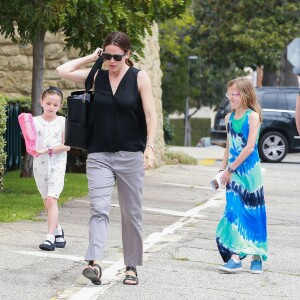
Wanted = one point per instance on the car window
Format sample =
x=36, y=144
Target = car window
x=291, y=100
x=259, y=95
x=282, y=102
x=269, y=100
x=223, y=103
x=228, y=107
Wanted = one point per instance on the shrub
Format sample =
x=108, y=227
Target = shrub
x=168, y=130
x=2, y=140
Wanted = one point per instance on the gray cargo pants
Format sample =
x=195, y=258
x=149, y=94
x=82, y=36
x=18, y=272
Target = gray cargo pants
x=103, y=169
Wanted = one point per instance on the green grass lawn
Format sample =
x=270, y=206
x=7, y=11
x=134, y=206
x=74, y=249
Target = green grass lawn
x=20, y=199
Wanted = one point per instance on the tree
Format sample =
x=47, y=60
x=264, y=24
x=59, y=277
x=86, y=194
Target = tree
x=227, y=36
x=248, y=33
x=205, y=81
x=85, y=24
x=195, y=81
x=175, y=47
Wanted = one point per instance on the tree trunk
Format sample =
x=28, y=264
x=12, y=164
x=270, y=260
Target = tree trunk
x=36, y=91
x=27, y=167
x=37, y=74
x=260, y=76
x=286, y=75
x=270, y=78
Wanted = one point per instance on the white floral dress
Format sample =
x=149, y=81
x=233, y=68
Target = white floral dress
x=49, y=171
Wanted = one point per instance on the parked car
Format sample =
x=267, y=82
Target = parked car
x=278, y=134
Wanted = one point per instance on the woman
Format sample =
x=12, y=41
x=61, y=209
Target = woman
x=124, y=124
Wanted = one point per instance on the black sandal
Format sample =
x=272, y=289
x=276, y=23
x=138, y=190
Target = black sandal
x=131, y=277
x=93, y=273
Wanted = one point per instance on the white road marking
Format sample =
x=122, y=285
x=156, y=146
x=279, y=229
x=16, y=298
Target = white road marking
x=159, y=210
x=163, y=211
x=92, y=292
x=53, y=255
x=186, y=185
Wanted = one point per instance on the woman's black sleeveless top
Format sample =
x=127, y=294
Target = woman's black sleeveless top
x=117, y=121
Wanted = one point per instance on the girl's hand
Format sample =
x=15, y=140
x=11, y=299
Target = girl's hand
x=149, y=158
x=43, y=151
x=225, y=179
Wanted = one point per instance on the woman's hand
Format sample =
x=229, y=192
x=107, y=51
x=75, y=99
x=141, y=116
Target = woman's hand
x=98, y=52
x=149, y=158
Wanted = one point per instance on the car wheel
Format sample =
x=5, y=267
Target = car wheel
x=272, y=147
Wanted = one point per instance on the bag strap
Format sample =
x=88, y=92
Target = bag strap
x=90, y=78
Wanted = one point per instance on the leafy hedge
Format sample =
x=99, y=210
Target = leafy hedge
x=24, y=102
x=2, y=140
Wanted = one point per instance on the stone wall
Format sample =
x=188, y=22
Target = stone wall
x=16, y=70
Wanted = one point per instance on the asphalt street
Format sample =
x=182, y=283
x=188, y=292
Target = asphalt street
x=180, y=214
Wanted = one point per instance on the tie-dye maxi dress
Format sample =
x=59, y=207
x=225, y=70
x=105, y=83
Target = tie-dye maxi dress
x=242, y=229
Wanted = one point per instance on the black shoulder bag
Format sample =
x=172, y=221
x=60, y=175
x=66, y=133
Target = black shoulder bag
x=77, y=128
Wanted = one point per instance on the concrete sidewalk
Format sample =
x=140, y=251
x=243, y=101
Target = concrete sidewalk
x=181, y=256
x=184, y=263
x=212, y=153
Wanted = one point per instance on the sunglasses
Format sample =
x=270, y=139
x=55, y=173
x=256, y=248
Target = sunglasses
x=116, y=57
x=232, y=95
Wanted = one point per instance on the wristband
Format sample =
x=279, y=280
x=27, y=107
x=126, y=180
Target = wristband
x=230, y=170
x=221, y=170
x=50, y=151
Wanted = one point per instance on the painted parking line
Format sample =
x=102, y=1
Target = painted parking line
x=190, y=186
x=207, y=161
x=175, y=213
x=57, y=256
x=111, y=274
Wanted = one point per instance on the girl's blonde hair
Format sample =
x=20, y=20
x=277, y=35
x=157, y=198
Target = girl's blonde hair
x=248, y=94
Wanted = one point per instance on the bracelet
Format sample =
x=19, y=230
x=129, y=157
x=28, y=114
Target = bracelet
x=230, y=170
x=221, y=170
x=151, y=146
x=50, y=151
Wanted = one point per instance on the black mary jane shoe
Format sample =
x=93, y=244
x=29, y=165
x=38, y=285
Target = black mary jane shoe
x=47, y=246
x=60, y=244
x=132, y=278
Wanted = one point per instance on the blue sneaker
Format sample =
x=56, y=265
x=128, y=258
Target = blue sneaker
x=231, y=267
x=256, y=266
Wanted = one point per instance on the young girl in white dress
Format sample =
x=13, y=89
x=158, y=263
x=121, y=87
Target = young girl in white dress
x=49, y=166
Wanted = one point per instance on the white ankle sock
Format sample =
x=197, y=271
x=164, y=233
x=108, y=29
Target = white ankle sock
x=57, y=230
x=50, y=237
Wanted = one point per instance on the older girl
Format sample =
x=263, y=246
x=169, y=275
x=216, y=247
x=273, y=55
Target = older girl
x=242, y=230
